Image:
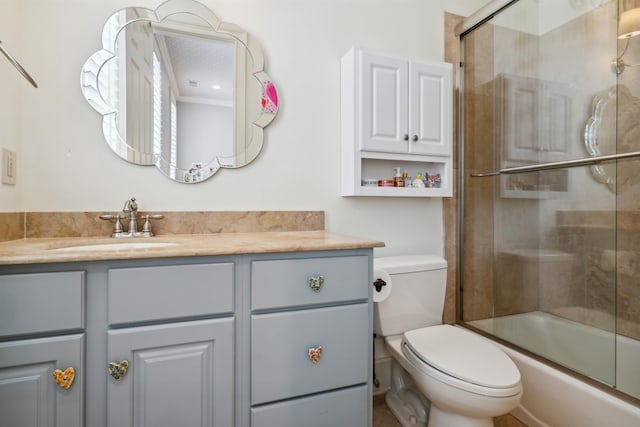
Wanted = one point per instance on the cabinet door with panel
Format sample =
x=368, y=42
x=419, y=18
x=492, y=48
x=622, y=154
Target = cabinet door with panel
x=177, y=374
x=30, y=396
x=385, y=103
x=431, y=106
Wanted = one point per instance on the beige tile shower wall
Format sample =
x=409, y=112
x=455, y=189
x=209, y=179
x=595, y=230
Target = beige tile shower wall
x=88, y=224
x=606, y=243
x=450, y=204
x=479, y=192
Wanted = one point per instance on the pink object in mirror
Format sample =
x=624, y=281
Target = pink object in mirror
x=269, y=98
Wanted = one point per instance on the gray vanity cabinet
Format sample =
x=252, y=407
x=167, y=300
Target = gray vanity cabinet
x=310, y=342
x=179, y=371
x=262, y=340
x=41, y=335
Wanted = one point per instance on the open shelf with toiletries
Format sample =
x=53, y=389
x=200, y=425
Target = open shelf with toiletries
x=551, y=184
x=396, y=116
x=381, y=166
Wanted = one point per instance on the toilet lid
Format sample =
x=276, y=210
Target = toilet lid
x=463, y=355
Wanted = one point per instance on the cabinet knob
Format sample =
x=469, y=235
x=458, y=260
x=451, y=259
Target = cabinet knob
x=118, y=369
x=406, y=137
x=315, y=354
x=415, y=138
x=65, y=378
x=315, y=282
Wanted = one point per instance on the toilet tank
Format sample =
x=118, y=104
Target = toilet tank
x=416, y=297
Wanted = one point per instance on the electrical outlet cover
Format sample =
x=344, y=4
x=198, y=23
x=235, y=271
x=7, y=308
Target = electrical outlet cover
x=8, y=167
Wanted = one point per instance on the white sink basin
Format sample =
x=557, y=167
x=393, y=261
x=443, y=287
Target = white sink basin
x=114, y=246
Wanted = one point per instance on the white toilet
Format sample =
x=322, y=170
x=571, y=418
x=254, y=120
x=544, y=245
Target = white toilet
x=456, y=377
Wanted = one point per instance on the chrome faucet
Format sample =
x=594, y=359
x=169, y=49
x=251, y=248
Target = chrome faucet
x=130, y=208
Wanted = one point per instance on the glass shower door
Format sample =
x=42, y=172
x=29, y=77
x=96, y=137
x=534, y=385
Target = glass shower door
x=541, y=250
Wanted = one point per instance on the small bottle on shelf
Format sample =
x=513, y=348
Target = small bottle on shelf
x=398, y=180
x=407, y=179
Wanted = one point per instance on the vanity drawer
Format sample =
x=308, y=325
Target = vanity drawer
x=347, y=407
x=41, y=302
x=280, y=343
x=170, y=292
x=285, y=283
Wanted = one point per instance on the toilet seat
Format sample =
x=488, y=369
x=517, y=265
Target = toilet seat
x=462, y=359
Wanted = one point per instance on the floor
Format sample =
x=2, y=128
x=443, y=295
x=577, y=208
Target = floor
x=382, y=416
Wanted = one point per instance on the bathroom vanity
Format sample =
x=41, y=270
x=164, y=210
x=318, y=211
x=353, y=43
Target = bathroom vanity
x=243, y=329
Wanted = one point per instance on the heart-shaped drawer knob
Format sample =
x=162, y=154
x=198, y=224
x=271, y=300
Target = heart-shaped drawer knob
x=315, y=282
x=118, y=369
x=64, y=378
x=315, y=354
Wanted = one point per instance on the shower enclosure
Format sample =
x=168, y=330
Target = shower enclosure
x=550, y=183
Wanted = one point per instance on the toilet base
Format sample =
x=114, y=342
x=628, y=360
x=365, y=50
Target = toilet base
x=440, y=418
x=450, y=403
x=404, y=400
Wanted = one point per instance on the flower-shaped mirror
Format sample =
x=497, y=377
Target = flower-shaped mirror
x=600, y=136
x=180, y=90
x=612, y=129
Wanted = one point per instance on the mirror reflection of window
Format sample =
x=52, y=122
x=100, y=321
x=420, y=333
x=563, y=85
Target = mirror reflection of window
x=173, y=151
x=137, y=40
x=109, y=83
x=157, y=106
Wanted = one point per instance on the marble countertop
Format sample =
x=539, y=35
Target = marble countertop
x=55, y=250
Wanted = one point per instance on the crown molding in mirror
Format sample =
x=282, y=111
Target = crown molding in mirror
x=254, y=100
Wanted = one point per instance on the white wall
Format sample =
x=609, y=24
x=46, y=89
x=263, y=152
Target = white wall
x=64, y=165
x=208, y=130
x=11, y=84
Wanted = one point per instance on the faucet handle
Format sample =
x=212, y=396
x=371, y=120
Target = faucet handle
x=146, y=227
x=118, y=225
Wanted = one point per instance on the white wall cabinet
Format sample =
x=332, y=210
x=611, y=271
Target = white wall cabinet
x=534, y=124
x=219, y=341
x=396, y=112
x=535, y=119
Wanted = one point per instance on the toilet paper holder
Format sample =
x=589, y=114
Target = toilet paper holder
x=378, y=284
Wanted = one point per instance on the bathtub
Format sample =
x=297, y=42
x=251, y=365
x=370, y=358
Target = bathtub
x=553, y=398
